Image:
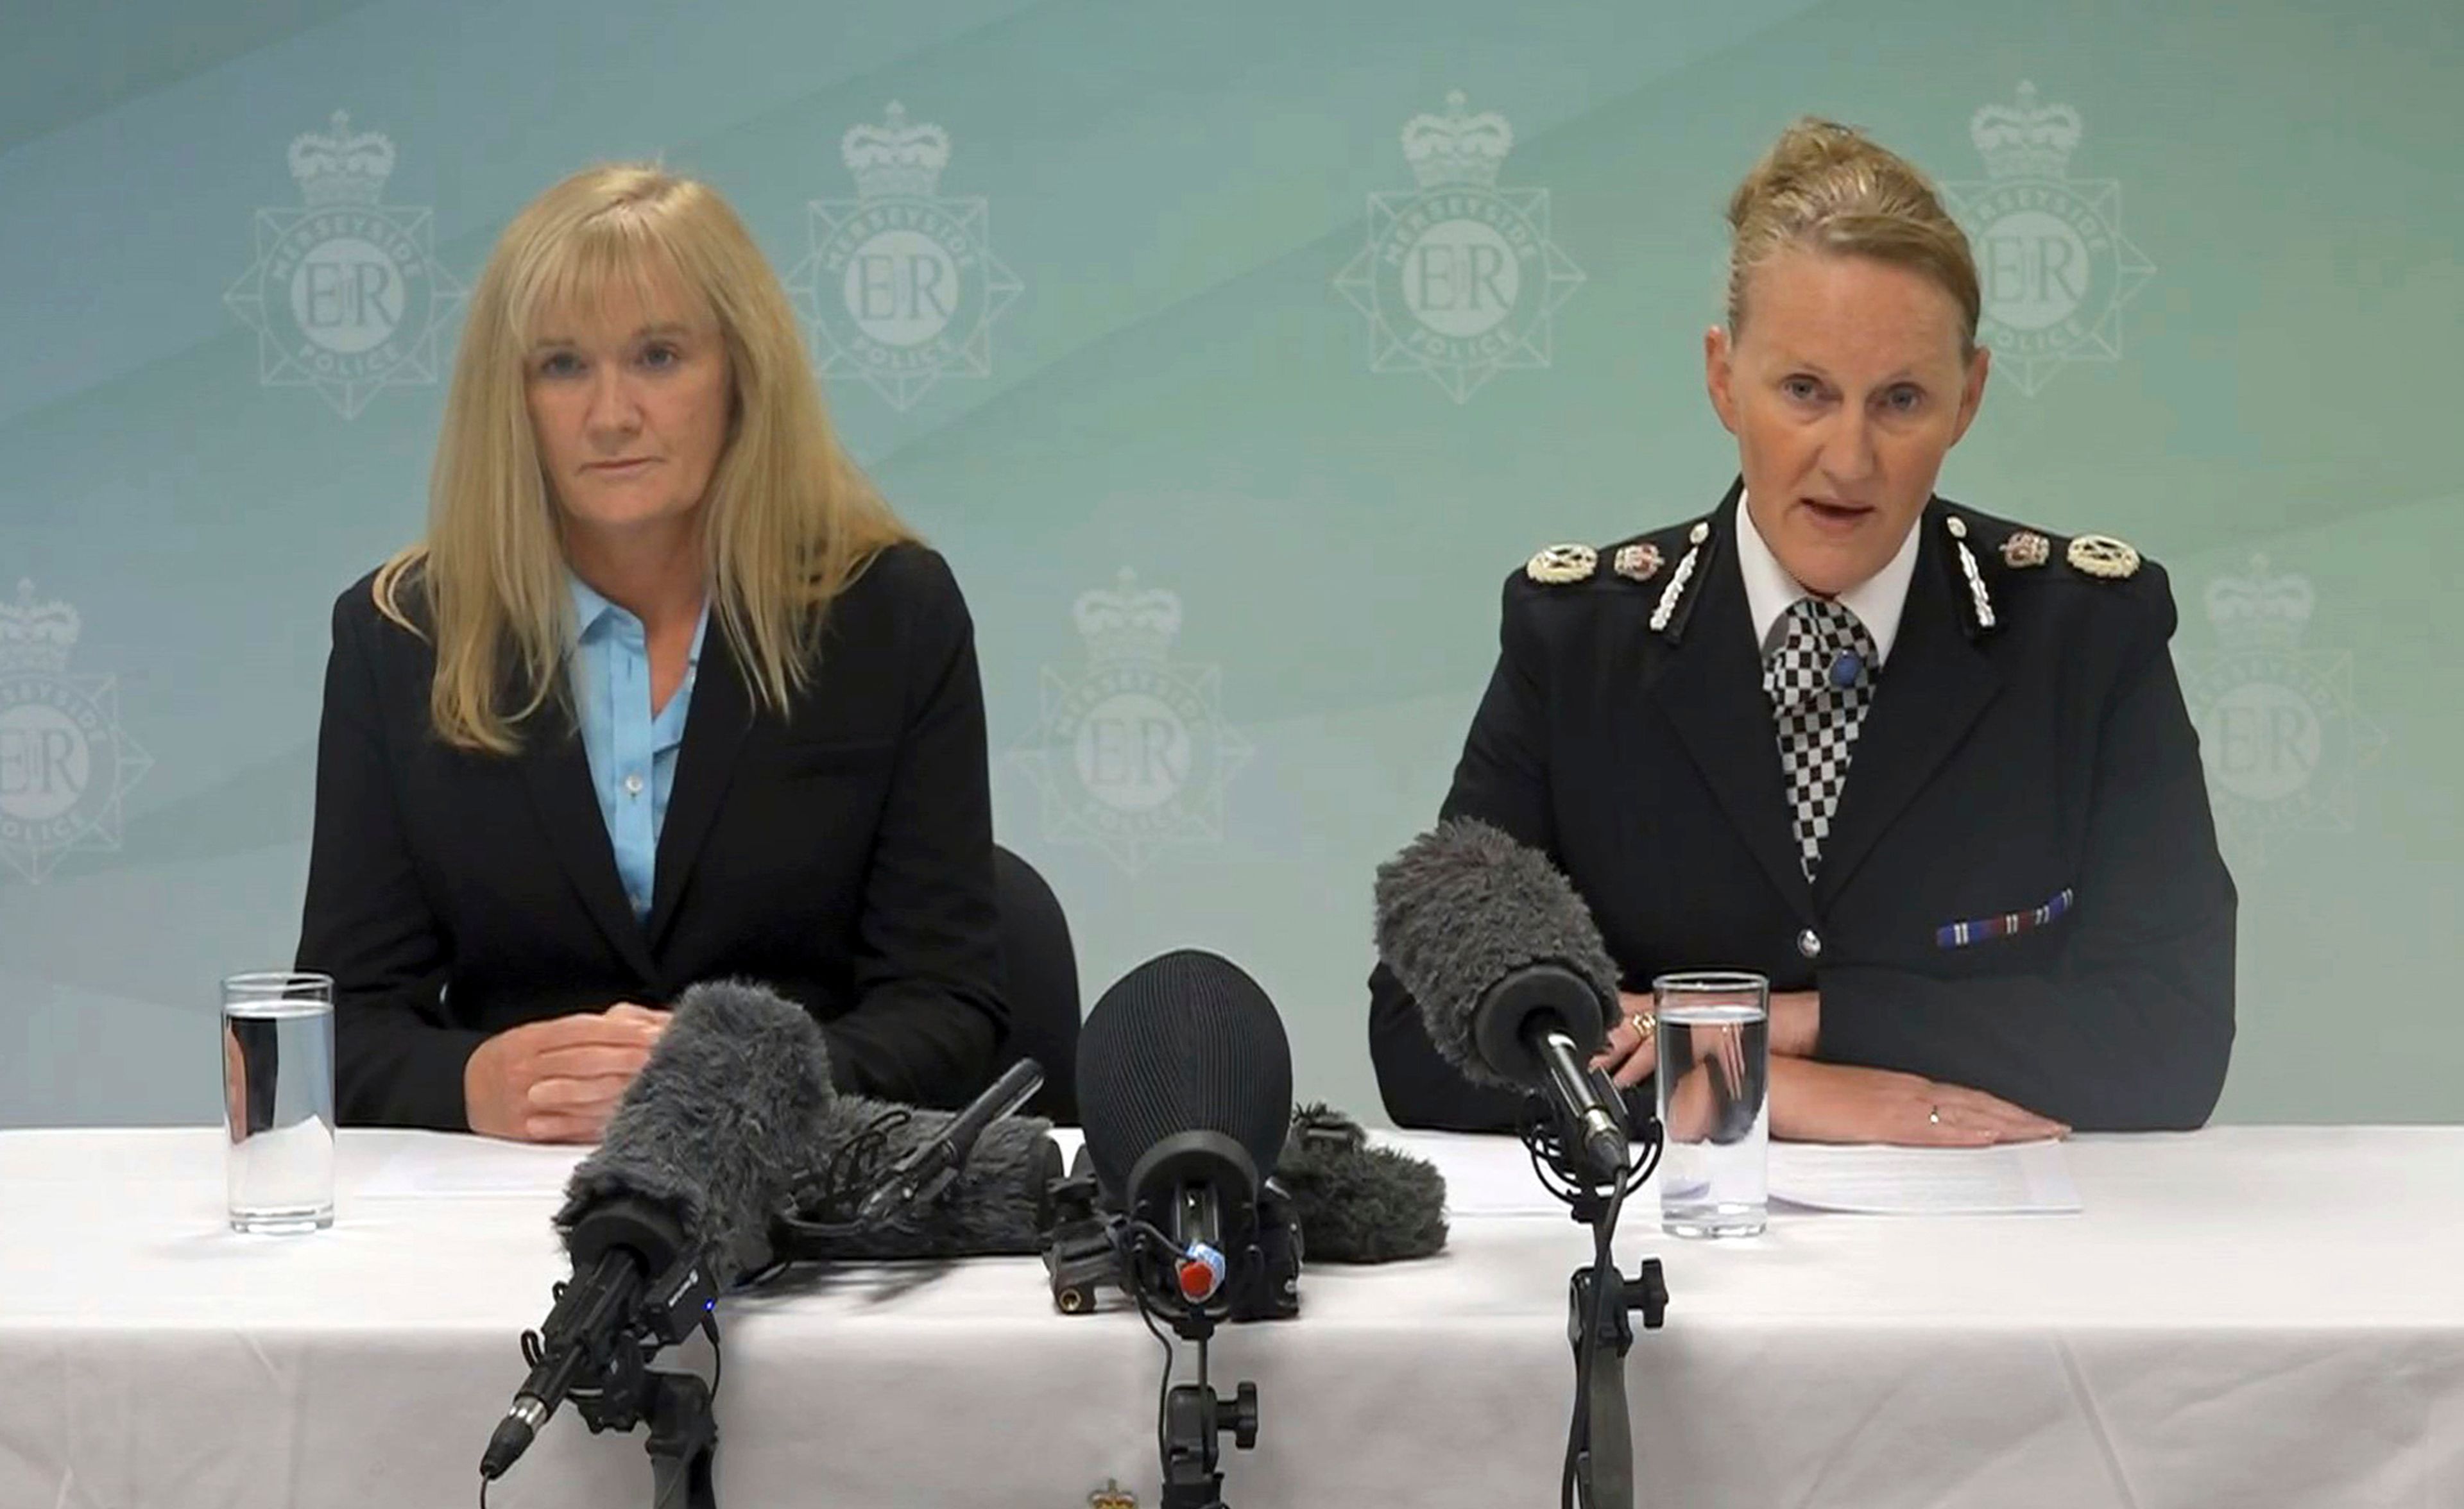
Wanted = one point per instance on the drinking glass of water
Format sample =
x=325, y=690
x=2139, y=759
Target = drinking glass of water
x=277, y=1034
x=1714, y=1090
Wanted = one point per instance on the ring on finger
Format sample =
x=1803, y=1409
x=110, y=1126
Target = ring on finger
x=1644, y=1023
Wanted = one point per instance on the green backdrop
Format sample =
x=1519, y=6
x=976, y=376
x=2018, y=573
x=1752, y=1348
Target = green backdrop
x=1231, y=413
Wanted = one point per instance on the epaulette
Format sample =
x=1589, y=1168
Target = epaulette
x=1640, y=562
x=1978, y=561
x=1562, y=565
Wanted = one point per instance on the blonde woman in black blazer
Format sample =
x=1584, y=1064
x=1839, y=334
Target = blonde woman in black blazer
x=666, y=694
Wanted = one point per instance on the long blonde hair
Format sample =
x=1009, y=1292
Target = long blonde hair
x=1833, y=188
x=788, y=522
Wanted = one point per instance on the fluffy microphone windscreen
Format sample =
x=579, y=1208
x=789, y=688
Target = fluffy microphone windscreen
x=1462, y=909
x=1356, y=1202
x=1184, y=1043
x=999, y=1203
x=723, y=1108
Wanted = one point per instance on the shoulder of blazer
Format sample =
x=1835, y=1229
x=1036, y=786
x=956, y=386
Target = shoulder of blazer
x=2078, y=582
x=1651, y=577
x=909, y=572
x=903, y=597
x=360, y=624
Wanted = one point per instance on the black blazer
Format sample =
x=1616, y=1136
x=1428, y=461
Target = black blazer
x=842, y=855
x=1999, y=767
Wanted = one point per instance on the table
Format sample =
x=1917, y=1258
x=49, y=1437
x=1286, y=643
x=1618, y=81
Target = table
x=2261, y=1316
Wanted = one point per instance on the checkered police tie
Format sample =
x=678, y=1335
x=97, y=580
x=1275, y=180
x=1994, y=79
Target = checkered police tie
x=1821, y=681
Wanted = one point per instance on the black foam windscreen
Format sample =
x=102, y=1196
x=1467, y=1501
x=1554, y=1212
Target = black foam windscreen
x=1185, y=1043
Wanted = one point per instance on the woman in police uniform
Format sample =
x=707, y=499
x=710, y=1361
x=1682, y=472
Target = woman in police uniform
x=1927, y=769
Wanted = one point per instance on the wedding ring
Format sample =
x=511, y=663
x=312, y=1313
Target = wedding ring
x=1643, y=1024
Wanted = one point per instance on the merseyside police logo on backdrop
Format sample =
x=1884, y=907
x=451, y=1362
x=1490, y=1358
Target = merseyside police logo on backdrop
x=346, y=294
x=2278, y=728
x=1459, y=278
x=65, y=766
x=1131, y=753
x=2050, y=251
x=901, y=286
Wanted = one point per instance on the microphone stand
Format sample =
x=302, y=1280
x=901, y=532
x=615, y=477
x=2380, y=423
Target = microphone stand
x=684, y=1432
x=1601, y=1301
x=1194, y=1420
x=622, y=1390
x=1192, y=1273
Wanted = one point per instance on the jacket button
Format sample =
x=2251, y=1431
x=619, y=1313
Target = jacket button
x=1808, y=944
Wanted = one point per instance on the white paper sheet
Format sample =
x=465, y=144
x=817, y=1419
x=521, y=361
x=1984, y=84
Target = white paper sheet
x=2018, y=1179
x=1492, y=1176
x=471, y=1166
x=1484, y=1175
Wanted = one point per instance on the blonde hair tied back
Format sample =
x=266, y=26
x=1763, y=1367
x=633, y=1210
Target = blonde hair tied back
x=1830, y=187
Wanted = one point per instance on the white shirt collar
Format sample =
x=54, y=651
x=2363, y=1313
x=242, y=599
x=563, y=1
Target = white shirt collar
x=1877, y=601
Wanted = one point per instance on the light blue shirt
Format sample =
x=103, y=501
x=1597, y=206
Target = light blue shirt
x=632, y=753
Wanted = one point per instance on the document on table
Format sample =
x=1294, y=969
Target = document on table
x=1492, y=1176
x=2018, y=1179
x=1485, y=1175
x=471, y=1166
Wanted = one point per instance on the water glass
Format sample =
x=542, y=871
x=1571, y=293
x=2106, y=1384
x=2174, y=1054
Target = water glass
x=277, y=1033
x=1714, y=1093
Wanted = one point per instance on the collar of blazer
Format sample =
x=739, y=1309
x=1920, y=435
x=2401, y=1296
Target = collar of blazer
x=1942, y=531
x=1937, y=684
x=557, y=773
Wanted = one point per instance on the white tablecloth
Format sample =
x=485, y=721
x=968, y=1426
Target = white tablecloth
x=2246, y=1316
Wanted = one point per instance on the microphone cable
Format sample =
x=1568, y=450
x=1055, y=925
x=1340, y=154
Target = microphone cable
x=824, y=1201
x=1131, y=1239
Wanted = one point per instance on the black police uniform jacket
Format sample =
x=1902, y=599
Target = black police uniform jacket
x=2022, y=892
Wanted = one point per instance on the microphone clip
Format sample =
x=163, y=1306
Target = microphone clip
x=598, y=1342
x=676, y=1407
x=1090, y=1245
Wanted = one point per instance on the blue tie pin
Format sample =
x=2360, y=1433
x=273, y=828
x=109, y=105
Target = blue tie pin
x=1846, y=671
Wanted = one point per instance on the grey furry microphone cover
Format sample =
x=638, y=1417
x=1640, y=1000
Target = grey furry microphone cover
x=724, y=1109
x=1464, y=905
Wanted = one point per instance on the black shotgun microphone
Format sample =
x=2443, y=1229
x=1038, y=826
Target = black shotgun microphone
x=995, y=1200
x=672, y=1205
x=920, y=1175
x=1512, y=979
